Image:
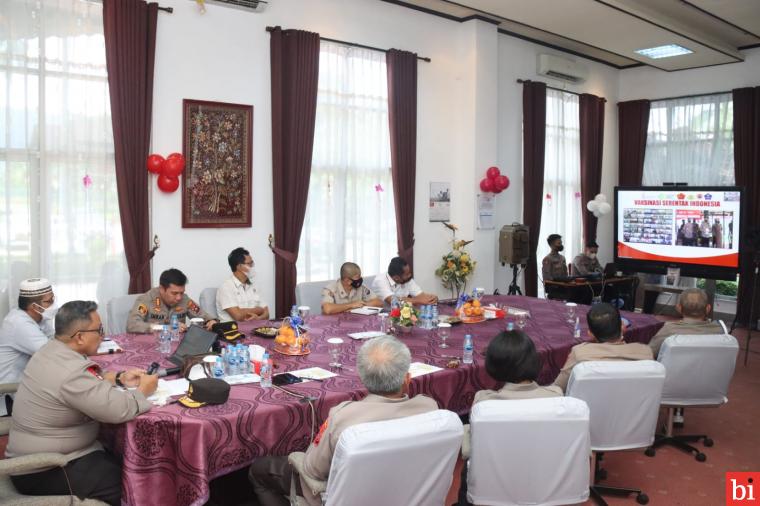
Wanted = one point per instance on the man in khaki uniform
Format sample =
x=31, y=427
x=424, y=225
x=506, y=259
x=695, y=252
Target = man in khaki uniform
x=157, y=305
x=587, y=263
x=606, y=327
x=383, y=366
x=694, y=307
x=554, y=265
x=348, y=292
x=62, y=398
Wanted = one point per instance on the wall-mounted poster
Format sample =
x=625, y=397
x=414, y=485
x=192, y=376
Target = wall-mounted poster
x=218, y=144
x=440, y=201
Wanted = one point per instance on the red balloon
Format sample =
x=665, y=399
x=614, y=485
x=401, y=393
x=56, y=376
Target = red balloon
x=486, y=185
x=497, y=190
x=154, y=163
x=167, y=184
x=502, y=182
x=173, y=167
x=493, y=172
x=175, y=155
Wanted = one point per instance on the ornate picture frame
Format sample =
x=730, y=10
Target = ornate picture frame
x=217, y=141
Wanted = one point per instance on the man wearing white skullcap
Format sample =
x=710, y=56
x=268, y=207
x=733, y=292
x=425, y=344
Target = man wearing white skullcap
x=24, y=331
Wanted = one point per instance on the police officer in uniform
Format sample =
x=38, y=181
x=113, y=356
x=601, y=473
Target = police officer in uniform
x=587, y=262
x=554, y=265
x=158, y=304
x=348, y=292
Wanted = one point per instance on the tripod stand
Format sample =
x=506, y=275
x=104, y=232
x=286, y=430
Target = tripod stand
x=752, y=316
x=514, y=288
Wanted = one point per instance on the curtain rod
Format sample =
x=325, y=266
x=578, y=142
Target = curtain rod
x=728, y=92
x=354, y=44
x=555, y=89
x=166, y=9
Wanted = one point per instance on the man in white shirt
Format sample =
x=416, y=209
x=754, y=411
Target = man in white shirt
x=398, y=281
x=237, y=299
x=24, y=331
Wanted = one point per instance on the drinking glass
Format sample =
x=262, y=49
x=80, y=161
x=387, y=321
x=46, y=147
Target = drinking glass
x=521, y=320
x=443, y=333
x=303, y=312
x=335, y=345
x=479, y=292
x=156, y=330
x=383, y=319
x=570, y=308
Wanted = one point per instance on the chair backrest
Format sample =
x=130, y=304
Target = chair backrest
x=207, y=301
x=368, y=280
x=624, y=399
x=532, y=451
x=117, y=310
x=699, y=369
x=310, y=294
x=404, y=461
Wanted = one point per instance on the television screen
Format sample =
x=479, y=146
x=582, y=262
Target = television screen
x=693, y=228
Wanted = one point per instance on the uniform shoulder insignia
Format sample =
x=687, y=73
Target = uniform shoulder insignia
x=142, y=309
x=322, y=430
x=95, y=371
x=193, y=306
x=158, y=303
x=179, y=309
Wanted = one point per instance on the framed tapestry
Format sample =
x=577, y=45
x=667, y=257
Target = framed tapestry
x=217, y=142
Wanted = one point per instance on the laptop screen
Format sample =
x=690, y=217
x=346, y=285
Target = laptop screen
x=197, y=340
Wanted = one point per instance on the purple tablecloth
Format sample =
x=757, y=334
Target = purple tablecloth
x=171, y=453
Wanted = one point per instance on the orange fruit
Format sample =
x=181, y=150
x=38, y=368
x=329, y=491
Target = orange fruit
x=468, y=311
x=476, y=303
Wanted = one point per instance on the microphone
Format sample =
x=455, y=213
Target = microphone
x=155, y=369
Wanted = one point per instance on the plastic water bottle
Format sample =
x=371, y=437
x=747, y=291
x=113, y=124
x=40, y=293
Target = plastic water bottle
x=247, y=359
x=434, y=316
x=165, y=342
x=294, y=311
x=510, y=326
x=467, y=353
x=232, y=364
x=219, y=368
x=266, y=371
x=394, y=302
x=242, y=367
x=224, y=362
x=174, y=327
x=577, y=329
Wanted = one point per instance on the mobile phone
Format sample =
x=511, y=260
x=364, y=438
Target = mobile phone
x=285, y=379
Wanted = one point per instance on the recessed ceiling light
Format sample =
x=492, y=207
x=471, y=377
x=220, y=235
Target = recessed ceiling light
x=666, y=51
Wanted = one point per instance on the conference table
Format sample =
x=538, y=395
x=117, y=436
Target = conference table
x=171, y=453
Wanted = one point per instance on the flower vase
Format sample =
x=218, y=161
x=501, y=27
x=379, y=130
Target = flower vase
x=402, y=329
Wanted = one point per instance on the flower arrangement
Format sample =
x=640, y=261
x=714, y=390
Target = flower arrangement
x=457, y=266
x=405, y=315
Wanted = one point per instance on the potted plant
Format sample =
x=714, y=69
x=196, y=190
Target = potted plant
x=457, y=265
x=404, y=317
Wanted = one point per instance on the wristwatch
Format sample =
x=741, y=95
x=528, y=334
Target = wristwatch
x=117, y=379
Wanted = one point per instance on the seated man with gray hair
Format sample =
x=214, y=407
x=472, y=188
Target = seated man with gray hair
x=693, y=306
x=383, y=366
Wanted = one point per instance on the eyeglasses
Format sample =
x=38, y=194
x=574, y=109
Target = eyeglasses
x=100, y=330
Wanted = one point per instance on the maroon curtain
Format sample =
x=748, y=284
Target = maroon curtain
x=633, y=119
x=747, y=171
x=129, y=27
x=295, y=71
x=592, y=140
x=534, y=147
x=402, y=117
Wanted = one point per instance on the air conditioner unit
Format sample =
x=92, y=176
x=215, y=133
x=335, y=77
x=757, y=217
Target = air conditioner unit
x=246, y=5
x=564, y=69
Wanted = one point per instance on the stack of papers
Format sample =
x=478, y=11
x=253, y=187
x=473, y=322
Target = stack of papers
x=517, y=311
x=421, y=369
x=313, y=373
x=366, y=335
x=107, y=347
x=366, y=310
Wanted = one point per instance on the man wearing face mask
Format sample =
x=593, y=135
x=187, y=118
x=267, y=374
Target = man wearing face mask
x=237, y=299
x=348, y=292
x=587, y=263
x=157, y=305
x=24, y=331
x=554, y=265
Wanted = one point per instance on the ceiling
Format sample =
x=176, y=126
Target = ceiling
x=610, y=31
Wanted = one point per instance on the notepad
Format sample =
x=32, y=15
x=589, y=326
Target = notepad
x=108, y=347
x=366, y=310
x=421, y=369
x=366, y=335
x=313, y=373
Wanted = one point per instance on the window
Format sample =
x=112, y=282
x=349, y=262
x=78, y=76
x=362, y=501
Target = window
x=690, y=140
x=350, y=214
x=561, y=212
x=59, y=213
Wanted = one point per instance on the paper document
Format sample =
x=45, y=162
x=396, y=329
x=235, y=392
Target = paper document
x=517, y=311
x=107, y=347
x=170, y=388
x=421, y=369
x=366, y=335
x=313, y=373
x=367, y=310
x=240, y=379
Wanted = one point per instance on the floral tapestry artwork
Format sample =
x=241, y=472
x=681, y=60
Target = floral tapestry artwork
x=217, y=144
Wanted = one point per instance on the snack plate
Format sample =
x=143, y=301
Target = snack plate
x=473, y=319
x=285, y=350
x=267, y=332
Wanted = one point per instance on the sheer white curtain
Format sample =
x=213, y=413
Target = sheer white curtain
x=59, y=214
x=350, y=214
x=561, y=212
x=690, y=140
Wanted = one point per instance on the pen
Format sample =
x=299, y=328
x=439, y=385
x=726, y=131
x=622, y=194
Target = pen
x=307, y=378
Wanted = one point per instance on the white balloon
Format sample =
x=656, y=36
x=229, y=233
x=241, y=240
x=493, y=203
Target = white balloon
x=601, y=198
x=604, y=208
x=592, y=206
x=596, y=213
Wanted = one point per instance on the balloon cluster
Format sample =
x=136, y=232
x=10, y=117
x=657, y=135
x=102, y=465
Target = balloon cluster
x=168, y=170
x=599, y=206
x=495, y=181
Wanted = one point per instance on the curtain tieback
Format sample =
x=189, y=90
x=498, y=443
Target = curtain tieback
x=286, y=255
x=150, y=255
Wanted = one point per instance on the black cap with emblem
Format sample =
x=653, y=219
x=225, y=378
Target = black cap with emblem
x=206, y=391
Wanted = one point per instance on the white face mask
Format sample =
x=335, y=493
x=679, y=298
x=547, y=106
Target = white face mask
x=251, y=274
x=47, y=313
x=592, y=256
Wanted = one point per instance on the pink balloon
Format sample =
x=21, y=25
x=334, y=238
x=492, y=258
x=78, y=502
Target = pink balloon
x=486, y=185
x=502, y=182
x=493, y=172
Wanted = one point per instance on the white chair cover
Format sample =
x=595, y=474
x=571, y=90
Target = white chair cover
x=310, y=294
x=624, y=399
x=532, y=451
x=117, y=310
x=401, y=462
x=699, y=369
x=207, y=301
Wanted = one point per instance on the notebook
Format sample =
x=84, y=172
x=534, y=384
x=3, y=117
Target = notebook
x=366, y=310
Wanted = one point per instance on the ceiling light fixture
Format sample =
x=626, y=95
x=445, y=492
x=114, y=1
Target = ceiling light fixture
x=666, y=51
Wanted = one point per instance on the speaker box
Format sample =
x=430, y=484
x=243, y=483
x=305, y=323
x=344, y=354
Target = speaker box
x=513, y=244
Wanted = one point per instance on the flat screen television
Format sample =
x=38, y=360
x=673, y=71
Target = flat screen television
x=694, y=228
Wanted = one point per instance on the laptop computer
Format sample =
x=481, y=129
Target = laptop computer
x=197, y=340
x=610, y=270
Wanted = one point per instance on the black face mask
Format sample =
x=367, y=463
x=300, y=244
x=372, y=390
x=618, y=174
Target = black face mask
x=560, y=248
x=356, y=283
